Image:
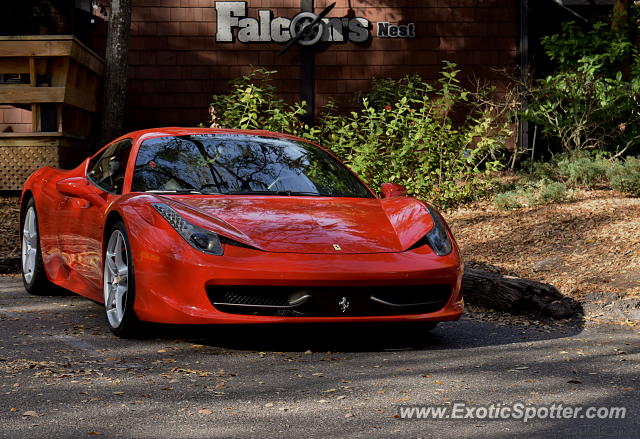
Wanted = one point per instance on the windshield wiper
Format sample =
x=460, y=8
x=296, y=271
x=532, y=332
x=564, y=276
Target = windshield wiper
x=175, y=191
x=281, y=193
x=257, y=193
x=312, y=194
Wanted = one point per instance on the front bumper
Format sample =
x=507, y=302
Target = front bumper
x=174, y=283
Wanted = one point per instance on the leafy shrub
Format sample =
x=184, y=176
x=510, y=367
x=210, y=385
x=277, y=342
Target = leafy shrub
x=587, y=102
x=575, y=169
x=538, y=170
x=508, y=200
x=552, y=192
x=533, y=194
x=582, y=170
x=547, y=182
x=253, y=105
x=412, y=139
x=626, y=177
x=403, y=132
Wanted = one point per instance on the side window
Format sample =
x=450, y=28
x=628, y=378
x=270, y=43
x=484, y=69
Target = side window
x=108, y=169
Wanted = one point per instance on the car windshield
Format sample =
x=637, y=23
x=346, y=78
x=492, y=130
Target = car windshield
x=241, y=165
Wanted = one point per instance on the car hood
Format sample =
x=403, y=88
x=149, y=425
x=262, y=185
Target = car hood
x=311, y=224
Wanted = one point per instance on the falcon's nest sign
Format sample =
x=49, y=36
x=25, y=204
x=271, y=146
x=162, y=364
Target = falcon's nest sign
x=232, y=17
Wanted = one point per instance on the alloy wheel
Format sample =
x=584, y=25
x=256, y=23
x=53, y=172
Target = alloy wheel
x=116, y=278
x=29, y=244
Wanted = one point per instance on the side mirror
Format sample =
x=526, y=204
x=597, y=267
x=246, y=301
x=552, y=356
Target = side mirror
x=390, y=190
x=79, y=187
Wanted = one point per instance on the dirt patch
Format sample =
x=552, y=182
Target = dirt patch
x=591, y=244
x=9, y=227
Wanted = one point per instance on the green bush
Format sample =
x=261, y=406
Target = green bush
x=626, y=177
x=575, y=169
x=547, y=182
x=538, y=170
x=587, y=103
x=509, y=200
x=403, y=132
x=582, y=170
x=533, y=194
x=253, y=105
x=552, y=192
x=411, y=138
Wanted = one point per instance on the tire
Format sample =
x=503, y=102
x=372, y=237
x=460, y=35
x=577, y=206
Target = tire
x=119, y=284
x=33, y=274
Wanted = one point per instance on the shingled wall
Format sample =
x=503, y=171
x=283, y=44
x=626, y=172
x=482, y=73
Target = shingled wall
x=176, y=64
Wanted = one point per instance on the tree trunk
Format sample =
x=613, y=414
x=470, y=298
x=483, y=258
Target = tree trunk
x=516, y=295
x=620, y=21
x=115, y=77
x=620, y=24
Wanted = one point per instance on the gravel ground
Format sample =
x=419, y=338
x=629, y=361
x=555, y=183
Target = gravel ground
x=63, y=375
x=9, y=226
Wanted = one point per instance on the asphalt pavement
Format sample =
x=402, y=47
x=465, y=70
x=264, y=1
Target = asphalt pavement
x=63, y=375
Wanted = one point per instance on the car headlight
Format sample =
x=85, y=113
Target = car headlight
x=197, y=237
x=438, y=238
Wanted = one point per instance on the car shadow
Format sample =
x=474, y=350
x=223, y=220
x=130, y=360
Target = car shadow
x=468, y=332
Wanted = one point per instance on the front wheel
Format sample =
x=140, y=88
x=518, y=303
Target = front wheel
x=119, y=284
x=33, y=275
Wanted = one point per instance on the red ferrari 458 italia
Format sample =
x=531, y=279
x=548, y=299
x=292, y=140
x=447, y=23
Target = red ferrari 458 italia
x=199, y=226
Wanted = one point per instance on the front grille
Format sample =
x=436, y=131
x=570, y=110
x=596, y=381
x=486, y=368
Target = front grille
x=328, y=301
x=247, y=300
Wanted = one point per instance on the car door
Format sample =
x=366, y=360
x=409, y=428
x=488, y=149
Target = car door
x=84, y=222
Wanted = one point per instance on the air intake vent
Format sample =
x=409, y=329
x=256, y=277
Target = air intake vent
x=329, y=301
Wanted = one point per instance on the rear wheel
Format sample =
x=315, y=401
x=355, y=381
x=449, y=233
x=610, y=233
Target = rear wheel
x=119, y=284
x=33, y=275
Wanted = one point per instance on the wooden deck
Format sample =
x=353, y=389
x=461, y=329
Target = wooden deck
x=57, y=78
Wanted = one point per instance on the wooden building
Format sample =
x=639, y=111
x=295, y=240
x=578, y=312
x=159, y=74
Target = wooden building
x=48, y=102
x=177, y=59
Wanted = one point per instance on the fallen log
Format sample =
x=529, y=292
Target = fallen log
x=516, y=295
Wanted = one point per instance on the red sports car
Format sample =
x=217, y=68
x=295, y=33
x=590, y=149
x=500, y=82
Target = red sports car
x=187, y=225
